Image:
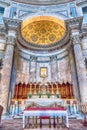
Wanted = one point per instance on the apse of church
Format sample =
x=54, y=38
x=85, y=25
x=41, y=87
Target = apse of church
x=29, y=70
x=42, y=51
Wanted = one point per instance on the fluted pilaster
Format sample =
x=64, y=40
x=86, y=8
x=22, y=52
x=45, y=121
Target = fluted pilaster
x=73, y=73
x=80, y=66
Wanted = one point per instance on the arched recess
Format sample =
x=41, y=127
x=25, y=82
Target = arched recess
x=56, y=45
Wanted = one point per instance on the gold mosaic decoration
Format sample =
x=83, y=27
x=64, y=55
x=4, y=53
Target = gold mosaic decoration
x=43, y=30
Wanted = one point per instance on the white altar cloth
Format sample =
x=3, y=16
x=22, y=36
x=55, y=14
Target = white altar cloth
x=48, y=112
x=44, y=101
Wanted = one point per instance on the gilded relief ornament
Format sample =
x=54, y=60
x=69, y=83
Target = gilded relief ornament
x=34, y=37
x=43, y=30
x=52, y=37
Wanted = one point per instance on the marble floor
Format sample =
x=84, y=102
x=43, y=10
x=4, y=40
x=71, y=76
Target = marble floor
x=16, y=124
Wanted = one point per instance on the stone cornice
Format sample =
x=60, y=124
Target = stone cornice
x=11, y=24
x=84, y=27
x=74, y=23
x=43, y=2
x=29, y=57
x=84, y=34
x=5, y=2
x=80, y=2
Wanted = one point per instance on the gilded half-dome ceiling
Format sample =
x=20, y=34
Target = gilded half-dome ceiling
x=43, y=30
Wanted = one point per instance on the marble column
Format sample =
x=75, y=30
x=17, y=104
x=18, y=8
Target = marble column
x=73, y=70
x=80, y=66
x=6, y=70
x=75, y=26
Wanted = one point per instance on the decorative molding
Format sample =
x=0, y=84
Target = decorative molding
x=11, y=23
x=74, y=23
x=2, y=30
x=76, y=39
x=5, y=2
x=53, y=58
x=33, y=58
x=80, y=2
x=25, y=57
x=84, y=30
x=11, y=40
x=43, y=2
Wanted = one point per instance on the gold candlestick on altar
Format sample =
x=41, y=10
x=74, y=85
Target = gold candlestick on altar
x=57, y=88
x=30, y=87
x=48, y=89
x=39, y=88
x=35, y=89
x=57, y=93
x=52, y=92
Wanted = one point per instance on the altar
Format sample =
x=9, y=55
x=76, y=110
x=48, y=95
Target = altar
x=44, y=102
x=45, y=107
x=45, y=112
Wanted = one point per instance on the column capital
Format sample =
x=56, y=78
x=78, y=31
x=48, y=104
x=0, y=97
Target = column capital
x=74, y=23
x=33, y=58
x=11, y=40
x=52, y=58
x=76, y=39
x=11, y=23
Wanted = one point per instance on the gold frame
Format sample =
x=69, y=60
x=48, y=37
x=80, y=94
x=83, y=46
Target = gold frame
x=43, y=72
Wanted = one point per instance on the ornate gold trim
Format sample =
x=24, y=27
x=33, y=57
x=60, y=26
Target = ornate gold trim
x=43, y=30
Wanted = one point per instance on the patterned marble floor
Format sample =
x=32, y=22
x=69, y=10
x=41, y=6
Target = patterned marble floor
x=16, y=124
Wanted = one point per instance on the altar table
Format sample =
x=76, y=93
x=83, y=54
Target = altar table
x=52, y=112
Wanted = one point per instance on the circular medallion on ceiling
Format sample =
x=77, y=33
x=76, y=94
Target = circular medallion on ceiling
x=43, y=30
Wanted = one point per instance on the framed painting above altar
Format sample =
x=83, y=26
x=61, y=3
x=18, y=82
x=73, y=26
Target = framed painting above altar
x=43, y=72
